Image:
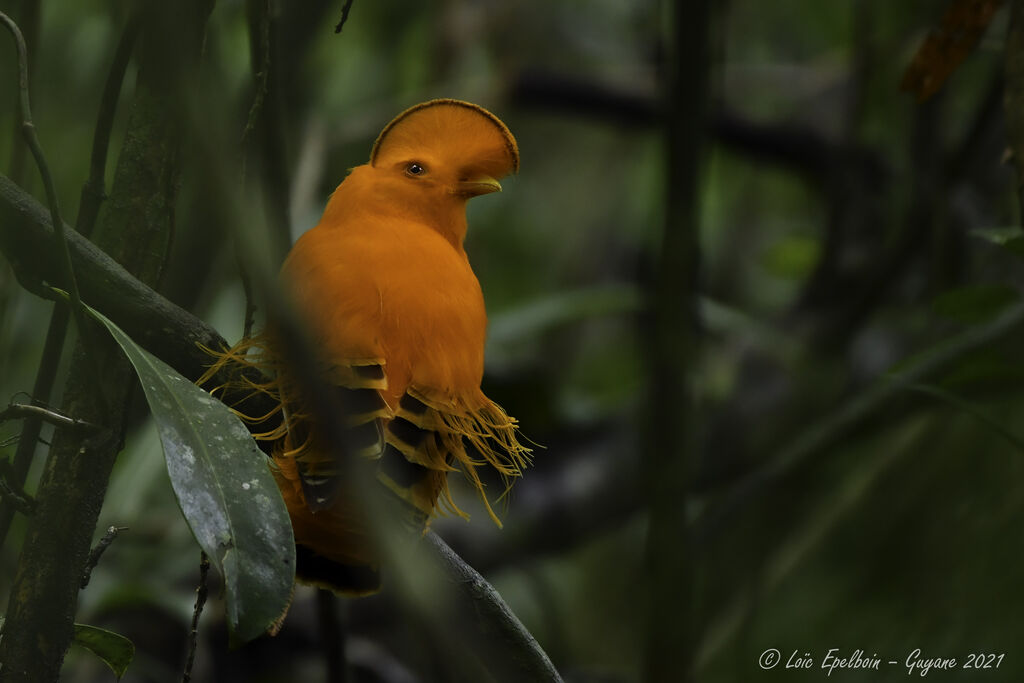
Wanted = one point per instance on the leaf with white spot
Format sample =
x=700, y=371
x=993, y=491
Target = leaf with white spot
x=225, y=489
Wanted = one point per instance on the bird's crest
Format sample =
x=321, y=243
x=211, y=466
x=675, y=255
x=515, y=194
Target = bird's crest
x=445, y=125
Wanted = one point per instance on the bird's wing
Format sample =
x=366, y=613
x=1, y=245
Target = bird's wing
x=319, y=463
x=430, y=436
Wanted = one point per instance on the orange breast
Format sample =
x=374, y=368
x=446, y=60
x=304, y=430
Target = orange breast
x=395, y=291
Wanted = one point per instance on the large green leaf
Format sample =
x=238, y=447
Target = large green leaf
x=975, y=303
x=225, y=489
x=1009, y=238
x=972, y=409
x=115, y=650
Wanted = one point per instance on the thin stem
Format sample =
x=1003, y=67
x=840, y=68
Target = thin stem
x=193, y=636
x=259, y=27
x=96, y=553
x=32, y=426
x=260, y=16
x=94, y=190
x=344, y=16
x=14, y=498
x=28, y=16
x=332, y=635
x=28, y=129
x=20, y=410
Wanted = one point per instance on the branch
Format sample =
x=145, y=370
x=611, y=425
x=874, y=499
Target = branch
x=1013, y=98
x=797, y=148
x=20, y=410
x=344, y=16
x=333, y=637
x=96, y=553
x=509, y=647
x=673, y=348
x=167, y=330
x=197, y=611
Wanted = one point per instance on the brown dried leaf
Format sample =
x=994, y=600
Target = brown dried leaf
x=947, y=46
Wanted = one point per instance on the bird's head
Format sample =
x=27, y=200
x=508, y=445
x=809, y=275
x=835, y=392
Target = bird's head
x=436, y=155
x=447, y=146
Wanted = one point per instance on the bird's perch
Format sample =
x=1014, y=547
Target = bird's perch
x=172, y=333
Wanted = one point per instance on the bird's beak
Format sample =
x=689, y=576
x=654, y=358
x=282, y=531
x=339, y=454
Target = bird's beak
x=477, y=186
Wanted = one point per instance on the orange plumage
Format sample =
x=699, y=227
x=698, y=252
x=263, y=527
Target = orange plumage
x=397, y=315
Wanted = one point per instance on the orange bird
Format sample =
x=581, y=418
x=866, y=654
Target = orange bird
x=397, y=316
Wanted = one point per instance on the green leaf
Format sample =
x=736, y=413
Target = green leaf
x=1010, y=238
x=975, y=303
x=225, y=490
x=998, y=235
x=986, y=370
x=971, y=409
x=792, y=258
x=115, y=650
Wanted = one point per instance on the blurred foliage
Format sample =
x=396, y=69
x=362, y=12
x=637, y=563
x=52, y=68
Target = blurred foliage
x=845, y=228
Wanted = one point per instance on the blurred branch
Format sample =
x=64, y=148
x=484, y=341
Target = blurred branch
x=874, y=281
x=1013, y=99
x=344, y=16
x=333, y=636
x=673, y=353
x=266, y=121
x=844, y=306
x=258, y=13
x=94, y=190
x=797, y=148
x=845, y=184
x=837, y=312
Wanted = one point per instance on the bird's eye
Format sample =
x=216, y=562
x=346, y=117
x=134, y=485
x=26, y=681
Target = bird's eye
x=415, y=169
